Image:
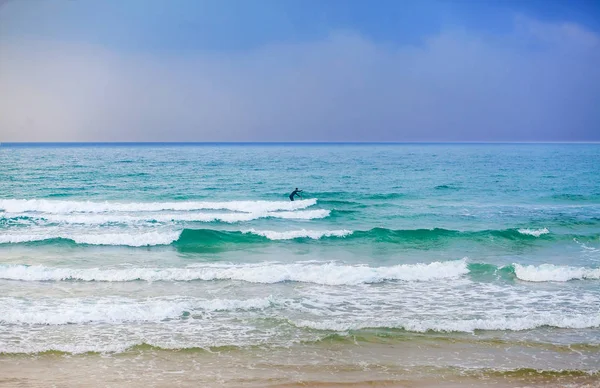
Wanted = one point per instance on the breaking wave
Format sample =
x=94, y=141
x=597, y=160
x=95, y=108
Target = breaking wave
x=577, y=321
x=213, y=237
x=65, y=207
x=319, y=273
x=118, y=310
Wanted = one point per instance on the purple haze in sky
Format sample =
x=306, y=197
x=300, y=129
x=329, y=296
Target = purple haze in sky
x=299, y=71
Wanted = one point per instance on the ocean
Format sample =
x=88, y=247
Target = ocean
x=403, y=264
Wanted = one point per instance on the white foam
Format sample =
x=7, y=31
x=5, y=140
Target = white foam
x=133, y=218
x=116, y=310
x=65, y=207
x=554, y=273
x=73, y=348
x=576, y=321
x=324, y=273
x=585, y=247
x=138, y=239
x=301, y=215
x=534, y=232
x=293, y=234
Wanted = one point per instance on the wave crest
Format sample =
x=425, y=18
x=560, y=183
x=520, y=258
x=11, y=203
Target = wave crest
x=577, y=321
x=148, y=236
x=66, y=207
x=319, y=273
x=534, y=232
x=554, y=273
x=293, y=234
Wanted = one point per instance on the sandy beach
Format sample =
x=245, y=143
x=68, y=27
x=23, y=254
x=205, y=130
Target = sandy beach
x=409, y=364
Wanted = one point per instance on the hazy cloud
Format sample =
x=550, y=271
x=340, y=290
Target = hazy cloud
x=541, y=82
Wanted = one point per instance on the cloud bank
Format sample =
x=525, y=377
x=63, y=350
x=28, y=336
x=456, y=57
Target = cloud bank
x=540, y=82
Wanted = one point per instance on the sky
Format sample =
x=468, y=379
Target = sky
x=299, y=70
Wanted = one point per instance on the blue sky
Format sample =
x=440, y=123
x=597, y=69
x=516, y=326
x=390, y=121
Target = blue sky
x=149, y=70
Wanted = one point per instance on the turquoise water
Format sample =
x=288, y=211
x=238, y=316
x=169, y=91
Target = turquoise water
x=105, y=248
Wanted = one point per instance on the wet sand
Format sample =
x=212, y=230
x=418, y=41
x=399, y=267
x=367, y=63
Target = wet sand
x=339, y=365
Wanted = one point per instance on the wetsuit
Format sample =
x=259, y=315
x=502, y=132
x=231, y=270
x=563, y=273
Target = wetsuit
x=295, y=192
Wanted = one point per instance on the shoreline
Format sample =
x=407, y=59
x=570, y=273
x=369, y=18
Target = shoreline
x=408, y=364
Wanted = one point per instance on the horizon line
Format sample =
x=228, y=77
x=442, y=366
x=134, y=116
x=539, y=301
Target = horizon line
x=24, y=143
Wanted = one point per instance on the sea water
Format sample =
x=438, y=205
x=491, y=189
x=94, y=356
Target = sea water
x=117, y=249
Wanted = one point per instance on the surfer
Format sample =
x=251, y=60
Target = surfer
x=295, y=192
